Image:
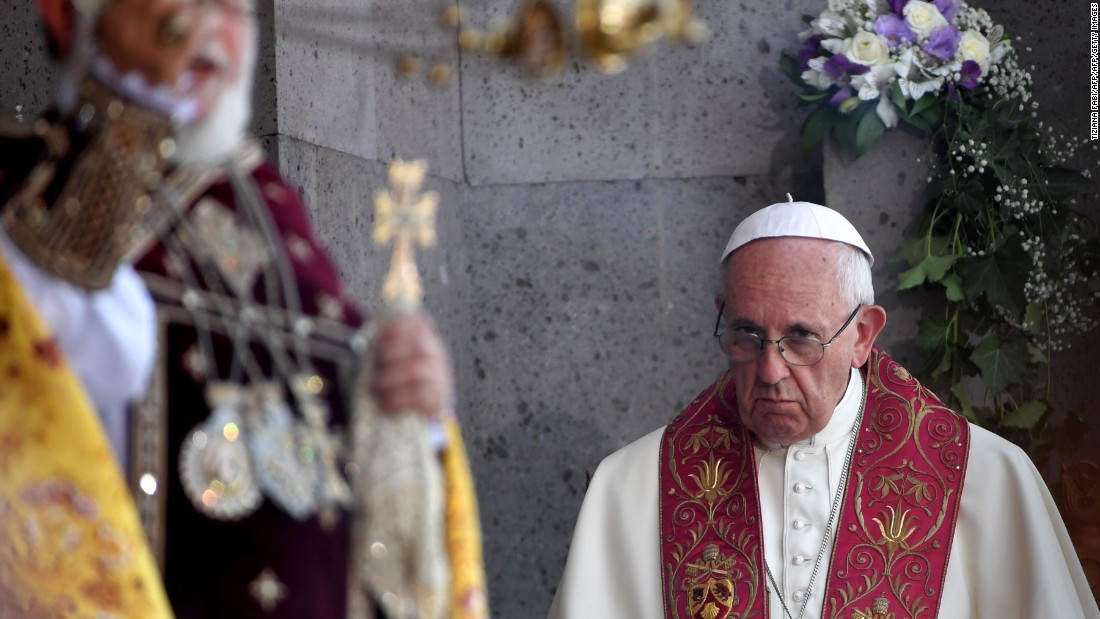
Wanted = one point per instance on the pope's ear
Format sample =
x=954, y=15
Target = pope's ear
x=58, y=15
x=869, y=324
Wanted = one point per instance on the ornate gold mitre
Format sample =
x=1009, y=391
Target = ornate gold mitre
x=102, y=212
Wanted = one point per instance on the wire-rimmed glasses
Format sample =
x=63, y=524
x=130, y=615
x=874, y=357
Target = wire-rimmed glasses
x=741, y=346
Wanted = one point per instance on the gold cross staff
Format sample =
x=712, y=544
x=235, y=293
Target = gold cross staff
x=401, y=215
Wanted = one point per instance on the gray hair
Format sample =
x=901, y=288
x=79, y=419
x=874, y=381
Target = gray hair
x=853, y=276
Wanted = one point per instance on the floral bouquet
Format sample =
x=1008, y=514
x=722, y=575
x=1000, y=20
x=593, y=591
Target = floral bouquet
x=1017, y=268
x=884, y=56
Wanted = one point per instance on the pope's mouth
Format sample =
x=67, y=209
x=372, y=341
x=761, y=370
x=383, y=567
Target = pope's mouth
x=772, y=406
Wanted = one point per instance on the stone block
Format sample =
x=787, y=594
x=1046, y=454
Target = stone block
x=721, y=108
x=28, y=75
x=336, y=66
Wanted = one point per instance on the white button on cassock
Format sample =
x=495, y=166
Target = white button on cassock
x=801, y=487
x=800, y=455
x=801, y=524
x=799, y=560
x=799, y=595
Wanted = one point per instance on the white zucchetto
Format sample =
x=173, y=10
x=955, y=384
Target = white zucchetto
x=802, y=219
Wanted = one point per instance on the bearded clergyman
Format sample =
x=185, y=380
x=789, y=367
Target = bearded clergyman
x=173, y=273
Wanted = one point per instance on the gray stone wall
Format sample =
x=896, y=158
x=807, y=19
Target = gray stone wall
x=580, y=219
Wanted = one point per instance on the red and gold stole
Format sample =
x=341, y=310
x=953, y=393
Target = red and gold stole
x=897, y=518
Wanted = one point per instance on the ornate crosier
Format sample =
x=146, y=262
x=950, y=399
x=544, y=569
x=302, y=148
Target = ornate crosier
x=401, y=558
x=1015, y=265
x=402, y=217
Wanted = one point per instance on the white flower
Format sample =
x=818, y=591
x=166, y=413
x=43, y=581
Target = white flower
x=974, y=46
x=872, y=83
x=923, y=17
x=815, y=76
x=903, y=66
x=887, y=113
x=829, y=23
x=834, y=46
x=867, y=48
x=913, y=89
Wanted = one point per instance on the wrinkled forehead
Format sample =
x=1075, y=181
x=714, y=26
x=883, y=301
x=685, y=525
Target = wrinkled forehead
x=777, y=267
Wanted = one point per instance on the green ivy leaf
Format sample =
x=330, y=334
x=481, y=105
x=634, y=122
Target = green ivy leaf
x=844, y=130
x=910, y=251
x=898, y=99
x=816, y=126
x=999, y=276
x=953, y=285
x=788, y=64
x=968, y=411
x=1033, y=317
x=933, y=115
x=922, y=104
x=912, y=278
x=1026, y=416
x=937, y=266
x=944, y=366
x=1038, y=354
x=931, y=333
x=932, y=269
x=919, y=124
x=811, y=97
x=1001, y=363
x=870, y=129
x=970, y=198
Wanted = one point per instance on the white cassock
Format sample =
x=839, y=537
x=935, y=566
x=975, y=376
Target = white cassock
x=1011, y=557
x=108, y=336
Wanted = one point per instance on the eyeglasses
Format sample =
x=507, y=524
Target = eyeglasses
x=741, y=346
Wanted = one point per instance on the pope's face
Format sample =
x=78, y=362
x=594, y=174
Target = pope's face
x=788, y=286
x=196, y=47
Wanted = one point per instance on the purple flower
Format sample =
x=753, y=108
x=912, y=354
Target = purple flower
x=809, y=51
x=839, y=64
x=947, y=8
x=894, y=29
x=897, y=5
x=943, y=42
x=841, y=96
x=969, y=74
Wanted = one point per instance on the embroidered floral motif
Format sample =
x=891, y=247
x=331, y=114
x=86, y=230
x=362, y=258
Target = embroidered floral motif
x=239, y=253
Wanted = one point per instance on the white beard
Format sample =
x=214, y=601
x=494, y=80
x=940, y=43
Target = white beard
x=213, y=139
